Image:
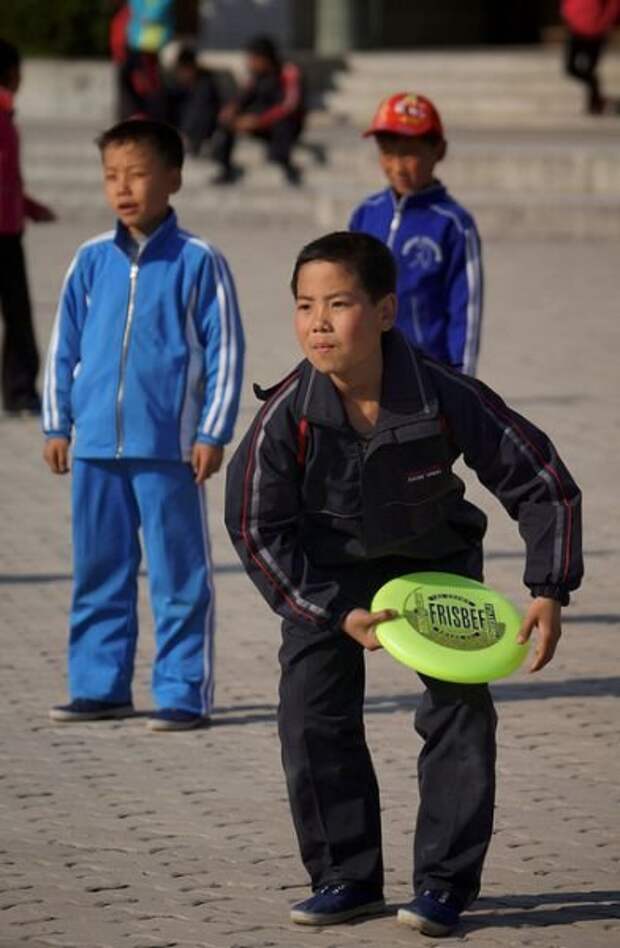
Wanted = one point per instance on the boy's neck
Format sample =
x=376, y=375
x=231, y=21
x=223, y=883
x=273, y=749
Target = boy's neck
x=360, y=391
x=407, y=194
x=142, y=233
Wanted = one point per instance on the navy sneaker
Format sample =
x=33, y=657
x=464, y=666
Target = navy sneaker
x=174, y=719
x=434, y=912
x=85, y=709
x=338, y=902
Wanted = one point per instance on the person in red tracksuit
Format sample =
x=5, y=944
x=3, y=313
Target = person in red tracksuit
x=20, y=357
x=589, y=23
x=271, y=107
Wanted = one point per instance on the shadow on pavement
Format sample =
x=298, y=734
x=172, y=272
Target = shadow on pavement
x=392, y=704
x=547, y=908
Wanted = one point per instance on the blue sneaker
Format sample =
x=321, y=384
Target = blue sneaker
x=435, y=912
x=338, y=902
x=86, y=709
x=174, y=719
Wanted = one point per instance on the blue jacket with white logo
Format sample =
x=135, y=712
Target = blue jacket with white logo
x=146, y=356
x=437, y=250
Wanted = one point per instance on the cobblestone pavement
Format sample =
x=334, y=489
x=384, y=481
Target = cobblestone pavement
x=113, y=837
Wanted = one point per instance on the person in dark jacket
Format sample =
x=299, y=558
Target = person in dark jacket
x=344, y=481
x=193, y=101
x=271, y=107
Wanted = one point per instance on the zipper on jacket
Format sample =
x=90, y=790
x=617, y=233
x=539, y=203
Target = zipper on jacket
x=120, y=434
x=395, y=222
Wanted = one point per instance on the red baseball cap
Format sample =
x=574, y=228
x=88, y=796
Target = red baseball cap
x=406, y=114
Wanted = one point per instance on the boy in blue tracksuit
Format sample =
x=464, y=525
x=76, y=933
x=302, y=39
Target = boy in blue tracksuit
x=144, y=373
x=433, y=238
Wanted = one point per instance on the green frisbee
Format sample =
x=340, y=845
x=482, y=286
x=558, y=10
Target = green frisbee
x=450, y=627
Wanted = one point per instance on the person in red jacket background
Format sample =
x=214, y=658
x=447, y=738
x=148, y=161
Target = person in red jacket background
x=20, y=357
x=270, y=107
x=589, y=23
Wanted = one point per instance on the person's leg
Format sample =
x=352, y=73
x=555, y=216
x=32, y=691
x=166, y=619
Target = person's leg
x=176, y=541
x=456, y=776
x=20, y=357
x=331, y=783
x=581, y=62
x=280, y=141
x=221, y=150
x=106, y=557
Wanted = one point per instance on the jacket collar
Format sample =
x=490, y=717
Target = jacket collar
x=434, y=192
x=406, y=393
x=166, y=229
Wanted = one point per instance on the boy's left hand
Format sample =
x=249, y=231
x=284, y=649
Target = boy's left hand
x=544, y=615
x=206, y=460
x=39, y=213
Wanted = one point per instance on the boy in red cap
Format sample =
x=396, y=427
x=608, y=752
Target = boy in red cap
x=434, y=239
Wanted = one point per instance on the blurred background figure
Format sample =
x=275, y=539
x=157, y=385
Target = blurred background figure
x=146, y=26
x=193, y=100
x=20, y=356
x=589, y=23
x=271, y=107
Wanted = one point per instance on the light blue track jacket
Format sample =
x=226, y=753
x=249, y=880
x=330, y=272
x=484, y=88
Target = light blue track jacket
x=437, y=251
x=146, y=355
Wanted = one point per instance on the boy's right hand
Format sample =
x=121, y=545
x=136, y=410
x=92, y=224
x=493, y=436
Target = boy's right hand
x=360, y=625
x=56, y=455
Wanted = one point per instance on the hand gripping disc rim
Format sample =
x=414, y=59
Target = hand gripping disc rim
x=450, y=627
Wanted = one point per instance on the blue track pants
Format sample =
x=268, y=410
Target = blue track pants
x=112, y=500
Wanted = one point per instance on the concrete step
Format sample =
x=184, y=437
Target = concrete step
x=527, y=185
x=522, y=64
x=480, y=162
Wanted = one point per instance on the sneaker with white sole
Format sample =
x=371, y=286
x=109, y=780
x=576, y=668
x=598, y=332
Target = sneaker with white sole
x=434, y=912
x=174, y=719
x=87, y=709
x=338, y=902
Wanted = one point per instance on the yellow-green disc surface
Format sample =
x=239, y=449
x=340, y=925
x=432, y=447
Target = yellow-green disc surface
x=450, y=627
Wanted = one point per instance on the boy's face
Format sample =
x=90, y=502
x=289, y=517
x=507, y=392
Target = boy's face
x=408, y=163
x=338, y=326
x=138, y=185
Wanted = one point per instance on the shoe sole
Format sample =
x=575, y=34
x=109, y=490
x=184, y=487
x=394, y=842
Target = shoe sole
x=423, y=925
x=77, y=717
x=163, y=726
x=307, y=918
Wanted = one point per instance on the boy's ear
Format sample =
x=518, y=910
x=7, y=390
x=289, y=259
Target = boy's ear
x=442, y=150
x=388, y=311
x=176, y=180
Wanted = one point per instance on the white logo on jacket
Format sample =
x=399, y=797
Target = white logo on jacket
x=423, y=252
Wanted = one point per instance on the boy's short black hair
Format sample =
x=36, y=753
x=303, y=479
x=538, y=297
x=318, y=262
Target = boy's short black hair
x=362, y=255
x=187, y=57
x=263, y=46
x=163, y=138
x=10, y=59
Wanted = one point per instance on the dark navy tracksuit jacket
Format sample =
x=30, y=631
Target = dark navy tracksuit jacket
x=321, y=517
x=437, y=251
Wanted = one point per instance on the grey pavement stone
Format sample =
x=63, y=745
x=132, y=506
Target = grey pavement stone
x=113, y=837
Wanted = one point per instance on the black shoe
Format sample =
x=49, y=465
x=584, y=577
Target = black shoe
x=174, y=719
x=316, y=149
x=338, y=902
x=292, y=175
x=85, y=709
x=227, y=175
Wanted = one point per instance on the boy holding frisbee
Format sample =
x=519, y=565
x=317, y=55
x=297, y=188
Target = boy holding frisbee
x=144, y=372
x=433, y=238
x=344, y=481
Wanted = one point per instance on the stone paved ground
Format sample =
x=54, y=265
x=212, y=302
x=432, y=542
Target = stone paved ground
x=113, y=837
